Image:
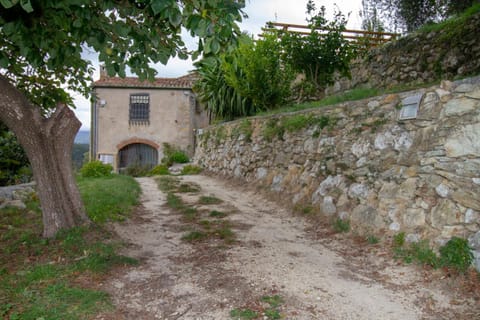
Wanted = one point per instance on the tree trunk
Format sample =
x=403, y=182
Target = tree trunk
x=48, y=142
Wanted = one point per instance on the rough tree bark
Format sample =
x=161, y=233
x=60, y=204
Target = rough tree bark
x=48, y=142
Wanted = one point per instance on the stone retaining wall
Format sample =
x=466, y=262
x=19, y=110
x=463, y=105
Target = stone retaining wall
x=357, y=161
x=418, y=58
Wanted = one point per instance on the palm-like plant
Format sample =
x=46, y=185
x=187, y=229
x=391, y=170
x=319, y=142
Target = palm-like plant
x=221, y=100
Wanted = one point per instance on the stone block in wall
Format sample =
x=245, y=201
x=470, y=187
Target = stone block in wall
x=367, y=218
x=465, y=141
x=445, y=213
x=414, y=218
x=460, y=106
x=468, y=198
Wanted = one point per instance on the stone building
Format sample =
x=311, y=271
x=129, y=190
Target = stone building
x=132, y=119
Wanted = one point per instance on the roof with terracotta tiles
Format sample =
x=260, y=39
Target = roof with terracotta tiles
x=184, y=82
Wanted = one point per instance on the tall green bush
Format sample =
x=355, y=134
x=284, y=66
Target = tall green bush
x=318, y=55
x=96, y=169
x=172, y=154
x=257, y=72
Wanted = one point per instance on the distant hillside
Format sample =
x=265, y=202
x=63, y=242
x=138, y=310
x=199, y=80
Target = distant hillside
x=83, y=137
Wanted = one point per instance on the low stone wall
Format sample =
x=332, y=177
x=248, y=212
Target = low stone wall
x=14, y=196
x=357, y=161
x=418, y=58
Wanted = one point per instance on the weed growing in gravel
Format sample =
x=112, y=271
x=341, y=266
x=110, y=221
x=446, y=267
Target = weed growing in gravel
x=341, y=225
x=416, y=252
x=188, y=188
x=243, y=314
x=194, y=236
x=306, y=210
x=217, y=214
x=190, y=213
x=399, y=240
x=225, y=233
x=455, y=254
x=209, y=200
x=272, y=311
x=167, y=183
x=174, y=201
x=190, y=170
x=372, y=239
x=274, y=301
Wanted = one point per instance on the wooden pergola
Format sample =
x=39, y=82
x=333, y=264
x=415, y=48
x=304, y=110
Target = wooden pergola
x=363, y=39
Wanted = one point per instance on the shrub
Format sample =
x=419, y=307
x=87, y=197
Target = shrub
x=456, y=254
x=179, y=157
x=96, y=169
x=172, y=154
x=160, y=170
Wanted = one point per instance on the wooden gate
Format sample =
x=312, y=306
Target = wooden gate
x=138, y=154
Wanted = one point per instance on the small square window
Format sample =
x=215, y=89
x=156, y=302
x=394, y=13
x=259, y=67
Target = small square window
x=139, y=112
x=410, y=106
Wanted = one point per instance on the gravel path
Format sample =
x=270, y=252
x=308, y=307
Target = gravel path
x=313, y=273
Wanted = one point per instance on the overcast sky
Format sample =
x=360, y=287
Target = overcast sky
x=259, y=12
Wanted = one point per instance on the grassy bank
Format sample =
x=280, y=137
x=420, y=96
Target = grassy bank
x=55, y=278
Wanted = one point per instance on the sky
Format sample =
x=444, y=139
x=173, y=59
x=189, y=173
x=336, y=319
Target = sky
x=259, y=13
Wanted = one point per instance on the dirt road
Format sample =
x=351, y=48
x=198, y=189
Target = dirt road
x=274, y=265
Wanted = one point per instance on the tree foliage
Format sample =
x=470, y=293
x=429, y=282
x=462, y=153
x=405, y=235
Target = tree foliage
x=259, y=75
x=41, y=49
x=370, y=17
x=319, y=54
x=409, y=15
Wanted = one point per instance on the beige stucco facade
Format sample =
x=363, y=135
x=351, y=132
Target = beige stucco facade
x=173, y=116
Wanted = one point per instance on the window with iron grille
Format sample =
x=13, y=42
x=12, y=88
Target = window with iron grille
x=139, y=108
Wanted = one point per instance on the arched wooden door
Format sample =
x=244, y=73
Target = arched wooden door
x=137, y=154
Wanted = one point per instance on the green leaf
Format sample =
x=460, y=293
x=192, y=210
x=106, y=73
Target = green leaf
x=4, y=62
x=163, y=58
x=77, y=23
x=175, y=17
x=215, y=46
x=9, y=28
x=121, y=29
x=26, y=5
x=8, y=3
x=207, y=47
x=159, y=5
x=110, y=69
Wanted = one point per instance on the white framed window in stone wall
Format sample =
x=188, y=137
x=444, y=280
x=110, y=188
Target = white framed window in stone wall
x=106, y=158
x=410, y=106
